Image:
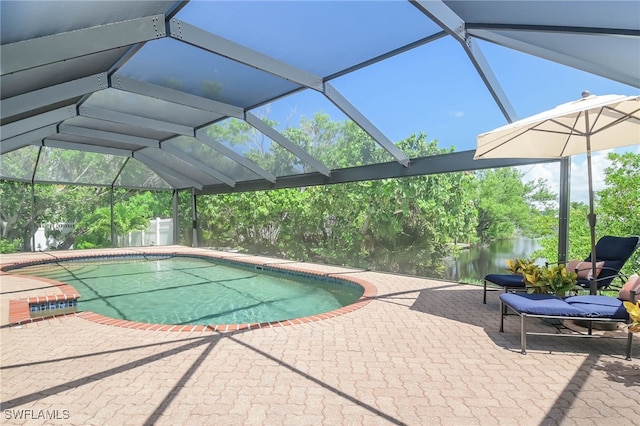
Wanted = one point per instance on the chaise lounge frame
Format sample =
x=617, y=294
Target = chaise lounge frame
x=590, y=320
x=614, y=251
x=506, y=282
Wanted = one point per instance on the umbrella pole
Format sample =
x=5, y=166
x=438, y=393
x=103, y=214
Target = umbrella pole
x=591, y=217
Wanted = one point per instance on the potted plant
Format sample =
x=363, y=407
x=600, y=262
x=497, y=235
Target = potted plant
x=555, y=280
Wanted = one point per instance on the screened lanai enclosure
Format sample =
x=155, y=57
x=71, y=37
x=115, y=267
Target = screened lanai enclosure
x=201, y=99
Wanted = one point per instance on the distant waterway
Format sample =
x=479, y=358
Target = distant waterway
x=476, y=262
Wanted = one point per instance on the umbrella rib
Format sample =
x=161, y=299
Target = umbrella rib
x=625, y=116
x=572, y=131
x=593, y=126
x=591, y=117
x=504, y=142
x=556, y=132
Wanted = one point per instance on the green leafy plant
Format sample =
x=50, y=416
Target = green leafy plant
x=522, y=266
x=634, y=314
x=7, y=246
x=555, y=280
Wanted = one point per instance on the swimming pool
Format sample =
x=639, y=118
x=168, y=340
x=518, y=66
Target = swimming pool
x=194, y=290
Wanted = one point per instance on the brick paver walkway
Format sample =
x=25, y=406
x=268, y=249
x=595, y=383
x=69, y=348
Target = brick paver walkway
x=423, y=352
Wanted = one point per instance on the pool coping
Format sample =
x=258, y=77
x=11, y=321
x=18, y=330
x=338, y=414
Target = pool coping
x=19, y=308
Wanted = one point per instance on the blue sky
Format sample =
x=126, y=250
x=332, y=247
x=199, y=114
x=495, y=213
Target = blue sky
x=433, y=89
x=448, y=101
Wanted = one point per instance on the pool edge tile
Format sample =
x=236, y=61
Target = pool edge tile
x=69, y=292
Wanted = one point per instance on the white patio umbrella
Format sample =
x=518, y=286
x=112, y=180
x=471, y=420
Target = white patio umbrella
x=589, y=124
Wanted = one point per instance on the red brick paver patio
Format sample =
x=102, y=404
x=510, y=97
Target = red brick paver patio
x=422, y=352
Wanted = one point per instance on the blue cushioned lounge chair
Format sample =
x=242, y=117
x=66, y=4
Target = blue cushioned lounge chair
x=509, y=282
x=584, y=308
x=613, y=251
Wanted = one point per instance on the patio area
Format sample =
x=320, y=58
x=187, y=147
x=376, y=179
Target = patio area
x=422, y=352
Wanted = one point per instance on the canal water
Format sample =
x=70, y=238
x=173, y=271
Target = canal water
x=474, y=263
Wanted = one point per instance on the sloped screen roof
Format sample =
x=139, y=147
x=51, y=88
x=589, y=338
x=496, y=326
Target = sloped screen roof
x=146, y=91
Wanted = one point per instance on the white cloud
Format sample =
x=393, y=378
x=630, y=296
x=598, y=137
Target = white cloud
x=580, y=175
x=457, y=114
x=579, y=188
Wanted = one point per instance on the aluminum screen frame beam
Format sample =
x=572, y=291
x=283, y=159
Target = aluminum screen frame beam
x=353, y=113
x=26, y=139
x=215, y=44
x=555, y=55
x=455, y=26
x=52, y=142
x=281, y=140
x=23, y=55
x=443, y=16
x=220, y=108
x=175, y=96
x=390, y=54
x=135, y=121
x=422, y=166
x=203, y=39
x=92, y=184
x=564, y=204
x=203, y=137
x=162, y=170
x=37, y=121
x=66, y=129
x=52, y=95
x=199, y=165
x=194, y=219
x=490, y=80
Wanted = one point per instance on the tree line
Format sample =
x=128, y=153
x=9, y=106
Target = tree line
x=408, y=225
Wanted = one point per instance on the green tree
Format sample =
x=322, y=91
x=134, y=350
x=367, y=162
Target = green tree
x=21, y=216
x=395, y=224
x=131, y=212
x=16, y=212
x=616, y=210
x=22, y=213
x=619, y=200
x=406, y=225
x=505, y=203
x=579, y=236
